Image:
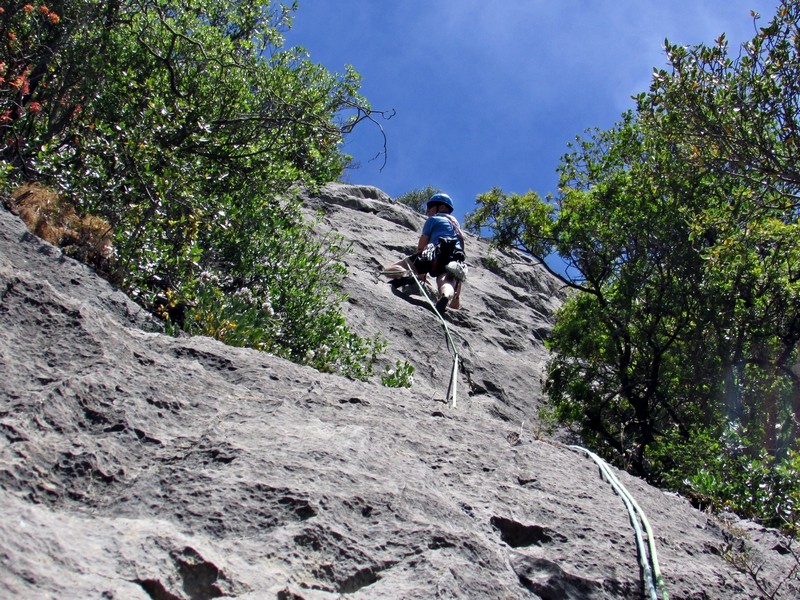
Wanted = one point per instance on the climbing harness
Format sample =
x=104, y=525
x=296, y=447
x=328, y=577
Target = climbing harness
x=451, y=390
x=650, y=568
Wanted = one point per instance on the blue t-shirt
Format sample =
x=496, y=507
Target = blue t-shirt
x=439, y=226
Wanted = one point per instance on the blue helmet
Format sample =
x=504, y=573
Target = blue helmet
x=441, y=199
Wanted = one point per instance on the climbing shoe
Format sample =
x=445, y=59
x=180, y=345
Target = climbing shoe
x=441, y=305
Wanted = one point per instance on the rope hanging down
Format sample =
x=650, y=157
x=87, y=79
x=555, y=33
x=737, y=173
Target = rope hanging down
x=648, y=556
x=451, y=390
x=650, y=568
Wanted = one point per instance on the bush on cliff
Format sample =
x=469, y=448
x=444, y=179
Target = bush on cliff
x=186, y=126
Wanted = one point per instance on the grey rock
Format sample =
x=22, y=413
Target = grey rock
x=507, y=308
x=137, y=465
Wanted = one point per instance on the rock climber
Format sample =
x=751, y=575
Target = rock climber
x=440, y=252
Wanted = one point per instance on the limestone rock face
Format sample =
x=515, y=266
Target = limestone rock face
x=137, y=465
x=507, y=307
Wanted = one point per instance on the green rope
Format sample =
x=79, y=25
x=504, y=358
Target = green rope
x=451, y=390
x=652, y=574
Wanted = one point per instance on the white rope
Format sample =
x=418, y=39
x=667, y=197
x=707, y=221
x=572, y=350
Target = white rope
x=451, y=390
x=652, y=574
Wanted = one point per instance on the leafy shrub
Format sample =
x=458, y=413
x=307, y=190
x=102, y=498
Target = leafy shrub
x=185, y=128
x=728, y=472
x=402, y=375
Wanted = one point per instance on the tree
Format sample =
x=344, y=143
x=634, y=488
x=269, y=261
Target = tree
x=418, y=198
x=738, y=118
x=188, y=128
x=679, y=232
x=623, y=238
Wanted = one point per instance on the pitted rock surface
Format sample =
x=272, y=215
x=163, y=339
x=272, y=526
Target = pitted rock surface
x=507, y=306
x=138, y=465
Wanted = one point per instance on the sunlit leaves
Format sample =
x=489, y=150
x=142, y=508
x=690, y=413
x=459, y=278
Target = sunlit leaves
x=679, y=227
x=515, y=220
x=186, y=125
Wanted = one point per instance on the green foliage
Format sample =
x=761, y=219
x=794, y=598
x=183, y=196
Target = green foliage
x=736, y=114
x=679, y=229
x=522, y=222
x=188, y=127
x=418, y=198
x=726, y=471
x=402, y=375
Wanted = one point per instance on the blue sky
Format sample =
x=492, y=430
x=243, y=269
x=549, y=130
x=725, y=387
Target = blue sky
x=488, y=93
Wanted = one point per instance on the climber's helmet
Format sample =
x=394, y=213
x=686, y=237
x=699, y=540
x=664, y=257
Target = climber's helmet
x=441, y=199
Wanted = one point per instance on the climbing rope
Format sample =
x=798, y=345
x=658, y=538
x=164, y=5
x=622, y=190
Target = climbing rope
x=648, y=556
x=650, y=568
x=451, y=390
